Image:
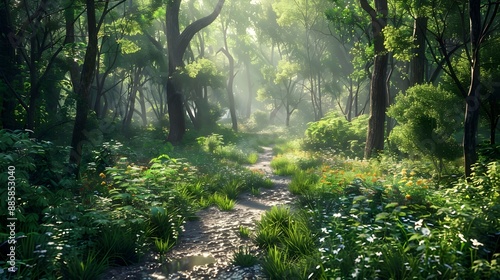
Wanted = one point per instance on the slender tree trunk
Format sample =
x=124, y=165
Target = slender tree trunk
x=129, y=111
x=83, y=91
x=250, y=91
x=418, y=61
x=229, y=87
x=472, y=108
x=378, y=89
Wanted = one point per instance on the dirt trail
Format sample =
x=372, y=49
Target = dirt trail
x=206, y=247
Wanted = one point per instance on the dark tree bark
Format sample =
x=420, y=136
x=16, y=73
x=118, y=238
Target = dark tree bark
x=177, y=44
x=472, y=101
x=378, y=89
x=8, y=70
x=83, y=90
x=418, y=61
x=133, y=89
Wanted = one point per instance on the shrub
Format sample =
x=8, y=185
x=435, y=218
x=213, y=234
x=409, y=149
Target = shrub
x=427, y=122
x=335, y=132
x=259, y=120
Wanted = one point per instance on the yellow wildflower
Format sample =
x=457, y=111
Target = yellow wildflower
x=102, y=175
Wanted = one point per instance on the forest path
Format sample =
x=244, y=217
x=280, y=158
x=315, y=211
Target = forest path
x=205, y=248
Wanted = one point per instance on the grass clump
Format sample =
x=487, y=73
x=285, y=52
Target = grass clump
x=223, y=202
x=302, y=182
x=87, y=268
x=244, y=258
x=244, y=232
x=283, y=166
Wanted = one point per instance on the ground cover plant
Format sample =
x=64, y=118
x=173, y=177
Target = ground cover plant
x=126, y=205
x=387, y=219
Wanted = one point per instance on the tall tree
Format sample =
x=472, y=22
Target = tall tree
x=378, y=89
x=177, y=44
x=478, y=34
x=85, y=82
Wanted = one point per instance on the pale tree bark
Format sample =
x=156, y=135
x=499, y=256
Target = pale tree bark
x=378, y=89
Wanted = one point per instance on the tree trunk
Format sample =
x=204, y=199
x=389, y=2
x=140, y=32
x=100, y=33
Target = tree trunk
x=250, y=91
x=472, y=108
x=83, y=91
x=129, y=111
x=229, y=87
x=417, y=64
x=378, y=90
x=177, y=44
x=8, y=70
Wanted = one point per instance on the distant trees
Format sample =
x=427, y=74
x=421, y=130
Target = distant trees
x=72, y=66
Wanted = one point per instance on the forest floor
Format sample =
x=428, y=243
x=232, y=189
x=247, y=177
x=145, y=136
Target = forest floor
x=206, y=247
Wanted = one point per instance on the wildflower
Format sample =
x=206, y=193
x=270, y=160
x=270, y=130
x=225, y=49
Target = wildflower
x=324, y=230
x=426, y=231
x=476, y=243
x=418, y=224
x=409, y=183
x=102, y=175
x=103, y=183
x=408, y=197
x=355, y=273
x=371, y=238
x=358, y=259
x=419, y=182
x=413, y=173
x=461, y=236
x=337, y=215
x=378, y=254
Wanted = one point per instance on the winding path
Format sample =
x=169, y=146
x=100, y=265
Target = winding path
x=206, y=247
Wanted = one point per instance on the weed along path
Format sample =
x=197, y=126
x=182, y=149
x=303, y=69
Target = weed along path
x=206, y=247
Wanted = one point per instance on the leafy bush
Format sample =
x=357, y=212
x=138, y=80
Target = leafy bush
x=428, y=118
x=335, y=132
x=259, y=120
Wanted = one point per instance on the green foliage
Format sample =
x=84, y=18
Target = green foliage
x=427, y=119
x=283, y=166
x=244, y=232
x=244, y=258
x=399, y=41
x=335, y=132
x=302, y=182
x=223, y=202
x=393, y=225
x=259, y=120
x=211, y=143
x=87, y=268
x=122, y=245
